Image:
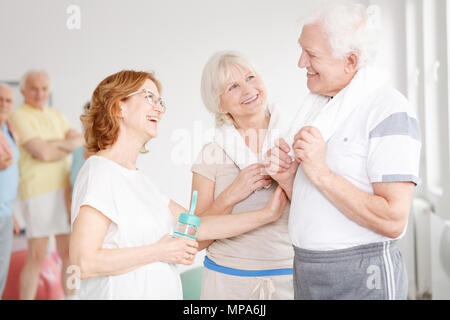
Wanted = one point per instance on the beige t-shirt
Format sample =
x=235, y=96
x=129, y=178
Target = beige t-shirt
x=267, y=247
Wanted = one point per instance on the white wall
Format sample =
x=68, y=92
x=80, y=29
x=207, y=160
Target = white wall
x=392, y=47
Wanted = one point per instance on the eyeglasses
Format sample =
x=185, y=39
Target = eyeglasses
x=150, y=96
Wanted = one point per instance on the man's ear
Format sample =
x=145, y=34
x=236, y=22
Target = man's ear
x=352, y=62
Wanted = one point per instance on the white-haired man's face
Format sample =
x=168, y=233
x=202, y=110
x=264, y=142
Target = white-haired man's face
x=37, y=90
x=6, y=103
x=327, y=75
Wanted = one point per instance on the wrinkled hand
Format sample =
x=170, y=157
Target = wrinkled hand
x=177, y=250
x=279, y=164
x=249, y=180
x=6, y=160
x=276, y=205
x=61, y=144
x=310, y=151
x=16, y=228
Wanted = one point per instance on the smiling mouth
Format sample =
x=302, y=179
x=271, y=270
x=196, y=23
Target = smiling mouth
x=251, y=100
x=153, y=119
x=310, y=73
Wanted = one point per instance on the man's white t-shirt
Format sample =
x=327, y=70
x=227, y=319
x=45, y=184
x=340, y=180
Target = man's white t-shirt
x=379, y=142
x=139, y=216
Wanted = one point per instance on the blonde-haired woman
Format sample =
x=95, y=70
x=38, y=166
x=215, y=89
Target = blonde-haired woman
x=257, y=264
x=121, y=223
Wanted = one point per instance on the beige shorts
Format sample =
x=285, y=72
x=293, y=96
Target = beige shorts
x=45, y=215
x=220, y=286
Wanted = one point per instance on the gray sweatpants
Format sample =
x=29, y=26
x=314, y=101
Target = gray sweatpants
x=369, y=272
x=6, y=240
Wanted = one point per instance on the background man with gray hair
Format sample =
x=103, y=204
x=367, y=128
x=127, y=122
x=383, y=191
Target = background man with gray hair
x=356, y=144
x=47, y=140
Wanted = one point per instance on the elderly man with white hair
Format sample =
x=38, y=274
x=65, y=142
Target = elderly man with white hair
x=47, y=140
x=356, y=144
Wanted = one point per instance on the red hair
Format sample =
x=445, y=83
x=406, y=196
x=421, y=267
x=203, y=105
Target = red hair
x=101, y=120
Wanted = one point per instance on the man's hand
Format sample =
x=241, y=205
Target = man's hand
x=61, y=144
x=16, y=228
x=280, y=166
x=72, y=141
x=310, y=151
x=44, y=150
x=6, y=159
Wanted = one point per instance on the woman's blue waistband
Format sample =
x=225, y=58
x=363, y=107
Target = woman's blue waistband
x=211, y=265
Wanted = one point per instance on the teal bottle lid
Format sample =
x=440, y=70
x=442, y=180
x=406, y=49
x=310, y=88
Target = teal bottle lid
x=190, y=218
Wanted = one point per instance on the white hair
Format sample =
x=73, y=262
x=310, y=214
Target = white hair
x=216, y=74
x=350, y=27
x=24, y=79
x=6, y=86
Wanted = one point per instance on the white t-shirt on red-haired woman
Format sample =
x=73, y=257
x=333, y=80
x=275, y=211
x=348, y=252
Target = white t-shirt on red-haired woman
x=139, y=216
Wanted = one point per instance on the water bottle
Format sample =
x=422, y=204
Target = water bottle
x=188, y=223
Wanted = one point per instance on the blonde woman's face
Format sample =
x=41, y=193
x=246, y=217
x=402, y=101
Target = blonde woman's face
x=245, y=93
